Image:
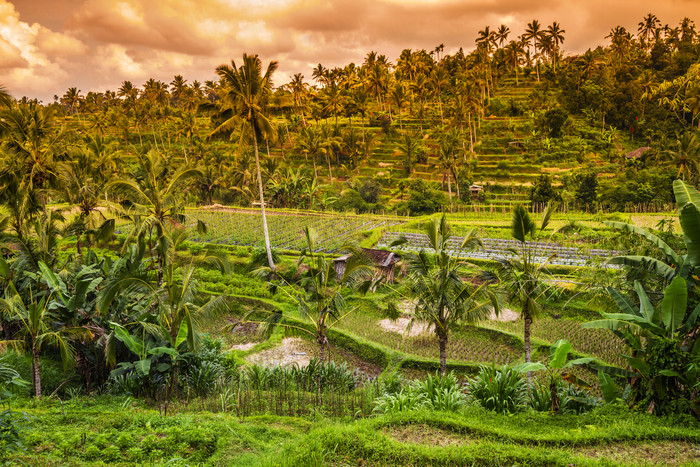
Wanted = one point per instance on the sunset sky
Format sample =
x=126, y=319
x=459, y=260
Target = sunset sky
x=47, y=46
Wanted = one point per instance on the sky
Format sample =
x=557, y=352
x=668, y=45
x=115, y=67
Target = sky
x=47, y=46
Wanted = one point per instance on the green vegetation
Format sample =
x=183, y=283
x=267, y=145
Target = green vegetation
x=171, y=261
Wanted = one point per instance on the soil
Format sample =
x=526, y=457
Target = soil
x=506, y=315
x=655, y=453
x=399, y=326
x=425, y=434
x=295, y=350
x=292, y=350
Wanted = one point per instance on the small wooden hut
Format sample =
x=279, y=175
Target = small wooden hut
x=384, y=262
x=637, y=153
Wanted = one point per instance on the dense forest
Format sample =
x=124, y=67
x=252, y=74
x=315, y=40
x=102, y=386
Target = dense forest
x=511, y=251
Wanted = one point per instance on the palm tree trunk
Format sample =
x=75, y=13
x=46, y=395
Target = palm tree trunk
x=262, y=202
x=442, y=341
x=526, y=340
x=322, y=344
x=449, y=190
x=37, y=372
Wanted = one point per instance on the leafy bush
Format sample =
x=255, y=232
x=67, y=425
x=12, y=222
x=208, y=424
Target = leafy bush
x=502, y=390
x=433, y=393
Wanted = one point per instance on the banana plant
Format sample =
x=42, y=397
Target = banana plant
x=558, y=370
x=148, y=351
x=673, y=264
x=650, y=331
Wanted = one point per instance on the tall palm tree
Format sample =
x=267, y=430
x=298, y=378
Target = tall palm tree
x=647, y=29
x=533, y=33
x=436, y=286
x=523, y=274
x=502, y=34
x=246, y=91
x=556, y=35
x=514, y=54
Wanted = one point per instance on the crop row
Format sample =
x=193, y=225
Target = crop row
x=286, y=230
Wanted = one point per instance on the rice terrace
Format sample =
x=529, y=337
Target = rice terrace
x=353, y=246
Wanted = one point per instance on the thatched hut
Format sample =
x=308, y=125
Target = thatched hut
x=384, y=261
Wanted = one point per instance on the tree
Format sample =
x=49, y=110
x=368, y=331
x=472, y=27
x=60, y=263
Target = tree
x=436, y=286
x=542, y=192
x=556, y=35
x=586, y=192
x=684, y=156
x=246, y=91
x=514, y=53
x=533, y=33
x=523, y=275
x=320, y=300
x=647, y=30
x=411, y=148
x=154, y=196
x=35, y=325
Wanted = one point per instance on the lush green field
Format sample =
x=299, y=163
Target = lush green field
x=115, y=431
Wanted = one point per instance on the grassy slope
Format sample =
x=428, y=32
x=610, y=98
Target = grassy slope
x=121, y=432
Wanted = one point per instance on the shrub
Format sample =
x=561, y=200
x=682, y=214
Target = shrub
x=502, y=390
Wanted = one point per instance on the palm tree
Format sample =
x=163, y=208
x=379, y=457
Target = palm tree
x=647, y=29
x=72, y=99
x=523, y=275
x=399, y=99
x=245, y=97
x=82, y=183
x=411, y=148
x=5, y=98
x=32, y=139
x=685, y=156
x=35, y=325
x=533, y=33
x=323, y=304
x=502, y=34
x=556, y=35
x=514, y=53
x=298, y=88
x=153, y=195
x=437, y=289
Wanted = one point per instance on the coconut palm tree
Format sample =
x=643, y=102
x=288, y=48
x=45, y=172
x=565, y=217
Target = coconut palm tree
x=684, y=156
x=245, y=95
x=502, y=34
x=36, y=326
x=647, y=30
x=153, y=195
x=524, y=274
x=533, y=33
x=555, y=34
x=411, y=148
x=514, y=54
x=5, y=98
x=322, y=306
x=438, y=290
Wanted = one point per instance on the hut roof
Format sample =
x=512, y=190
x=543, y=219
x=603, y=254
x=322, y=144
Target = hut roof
x=637, y=153
x=381, y=258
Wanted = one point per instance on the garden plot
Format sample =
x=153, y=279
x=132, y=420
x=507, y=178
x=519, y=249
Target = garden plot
x=498, y=248
x=244, y=227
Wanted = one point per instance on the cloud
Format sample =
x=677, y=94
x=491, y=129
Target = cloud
x=32, y=57
x=100, y=43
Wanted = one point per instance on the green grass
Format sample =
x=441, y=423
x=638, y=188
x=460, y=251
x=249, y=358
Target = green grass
x=115, y=431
